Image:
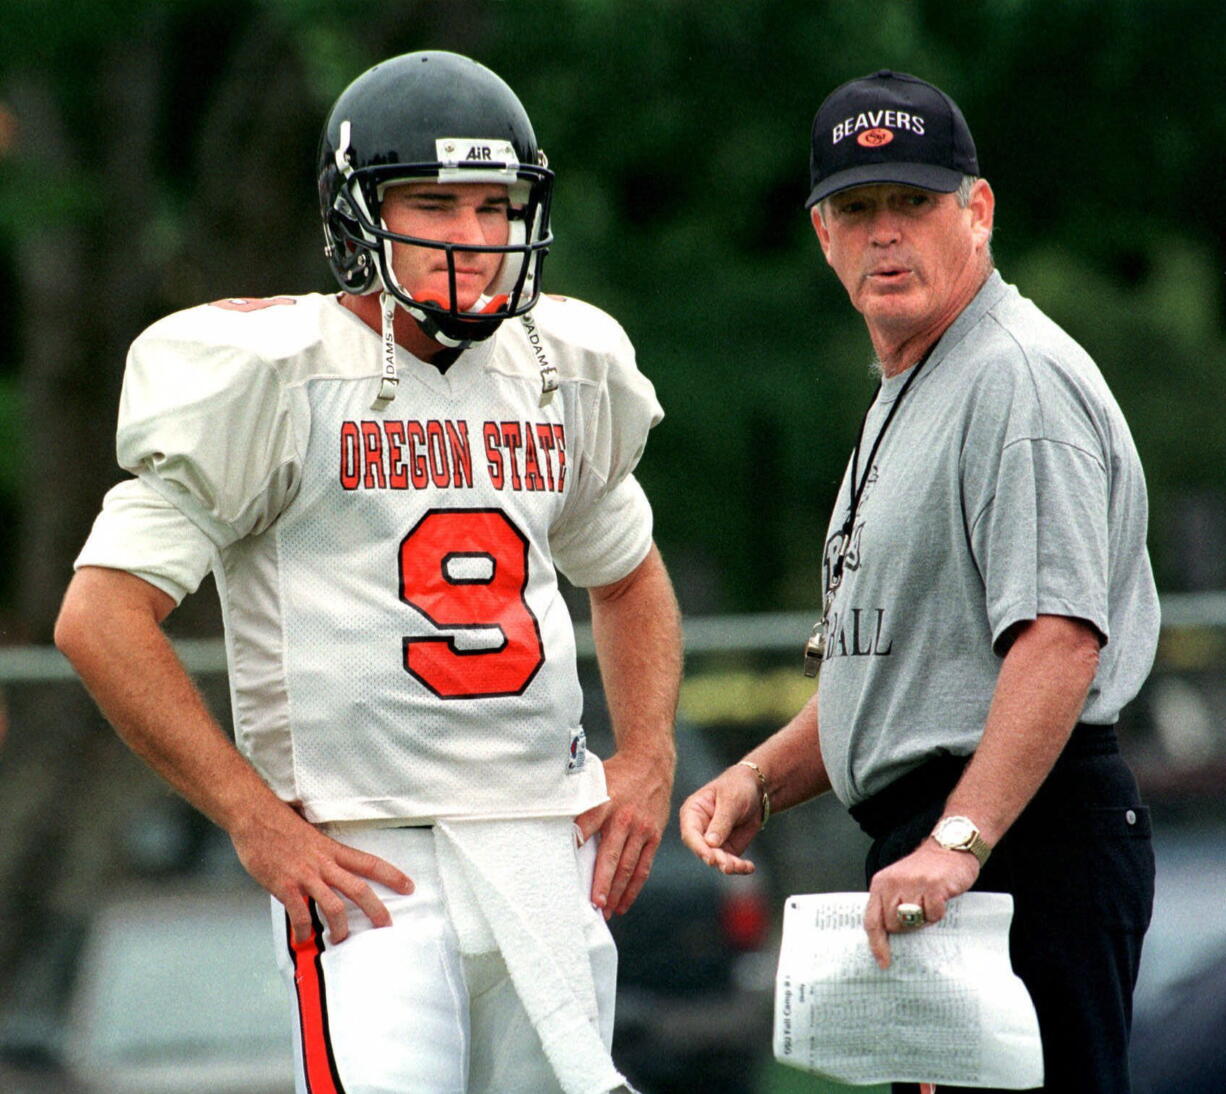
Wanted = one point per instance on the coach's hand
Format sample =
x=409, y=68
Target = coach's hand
x=719, y=820
x=631, y=824
x=929, y=876
x=299, y=864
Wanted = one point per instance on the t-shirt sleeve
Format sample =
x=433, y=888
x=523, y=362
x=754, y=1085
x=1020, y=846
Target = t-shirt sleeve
x=139, y=531
x=1038, y=516
x=605, y=527
x=210, y=427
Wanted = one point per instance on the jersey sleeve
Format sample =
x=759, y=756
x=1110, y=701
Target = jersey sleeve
x=139, y=531
x=210, y=426
x=1037, y=510
x=613, y=541
x=605, y=527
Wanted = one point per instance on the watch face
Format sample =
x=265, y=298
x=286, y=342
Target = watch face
x=955, y=831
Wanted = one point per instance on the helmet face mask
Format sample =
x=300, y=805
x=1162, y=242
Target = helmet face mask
x=433, y=117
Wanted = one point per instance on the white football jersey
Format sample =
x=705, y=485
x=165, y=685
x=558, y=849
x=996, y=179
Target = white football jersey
x=398, y=645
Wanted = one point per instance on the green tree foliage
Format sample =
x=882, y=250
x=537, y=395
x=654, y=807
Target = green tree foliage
x=173, y=162
x=1097, y=123
x=159, y=153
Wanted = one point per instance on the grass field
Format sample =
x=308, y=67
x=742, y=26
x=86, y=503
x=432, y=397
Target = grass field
x=777, y=1079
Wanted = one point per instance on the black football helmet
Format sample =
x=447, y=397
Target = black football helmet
x=433, y=116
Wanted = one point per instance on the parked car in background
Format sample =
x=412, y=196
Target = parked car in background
x=1179, y=1024
x=696, y=965
x=181, y=993
x=161, y=992
x=1179, y=1044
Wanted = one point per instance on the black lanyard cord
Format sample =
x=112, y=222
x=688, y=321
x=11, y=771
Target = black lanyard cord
x=857, y=491
x=816, y=646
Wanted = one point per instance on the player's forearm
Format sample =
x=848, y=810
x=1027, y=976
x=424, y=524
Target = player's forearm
x=636, y=626
x=1039, y=696
x=791, y=761
x=112, y=636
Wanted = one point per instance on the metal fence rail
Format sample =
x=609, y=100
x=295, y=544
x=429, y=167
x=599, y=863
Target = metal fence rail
x=764, y=632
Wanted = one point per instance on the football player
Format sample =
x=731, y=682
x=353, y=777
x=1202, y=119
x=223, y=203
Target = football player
x=385, y=484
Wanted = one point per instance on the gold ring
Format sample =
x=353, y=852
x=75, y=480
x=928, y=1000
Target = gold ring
x=910, y=915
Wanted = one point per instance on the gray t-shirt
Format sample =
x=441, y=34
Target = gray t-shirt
x=1007, y=486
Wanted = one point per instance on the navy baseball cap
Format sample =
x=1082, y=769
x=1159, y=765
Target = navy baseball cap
x=889, y=127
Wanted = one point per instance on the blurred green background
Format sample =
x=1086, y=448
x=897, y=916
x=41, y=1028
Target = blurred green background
x=154, y=155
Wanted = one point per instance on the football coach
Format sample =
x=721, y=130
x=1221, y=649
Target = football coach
x=988, y=603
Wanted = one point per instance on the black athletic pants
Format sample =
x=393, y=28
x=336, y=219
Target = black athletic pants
x=1079, y=863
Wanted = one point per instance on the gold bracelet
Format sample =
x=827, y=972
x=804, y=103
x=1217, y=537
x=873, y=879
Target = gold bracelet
x=766, y=798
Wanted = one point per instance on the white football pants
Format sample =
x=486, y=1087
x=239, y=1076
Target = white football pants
x=400, y=1010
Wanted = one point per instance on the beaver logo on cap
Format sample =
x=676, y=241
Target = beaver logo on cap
x=874, y=138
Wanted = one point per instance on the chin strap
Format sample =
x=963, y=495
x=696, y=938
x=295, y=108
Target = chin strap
x=549, y=374
x=432, y=330
x=391, y=375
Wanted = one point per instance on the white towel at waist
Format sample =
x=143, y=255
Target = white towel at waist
x=510, y=886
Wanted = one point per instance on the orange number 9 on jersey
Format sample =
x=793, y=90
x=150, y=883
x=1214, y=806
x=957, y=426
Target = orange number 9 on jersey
x=467, y=569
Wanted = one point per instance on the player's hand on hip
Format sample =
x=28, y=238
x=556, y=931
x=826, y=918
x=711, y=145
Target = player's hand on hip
x=631, y=824
x=928, y=877
x=719, y=820
x=299, y=864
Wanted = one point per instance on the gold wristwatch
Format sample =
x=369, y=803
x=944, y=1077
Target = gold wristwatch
x=960, y=834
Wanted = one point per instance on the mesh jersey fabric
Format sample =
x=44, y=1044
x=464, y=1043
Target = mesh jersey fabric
x=398, y=645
